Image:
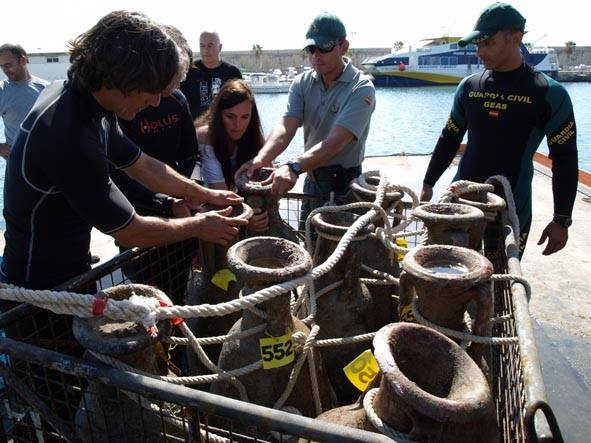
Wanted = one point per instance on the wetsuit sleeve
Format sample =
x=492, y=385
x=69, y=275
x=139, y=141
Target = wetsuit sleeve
x=449, y=141
x=121, y=151
x=144, y=201
x=561, y=133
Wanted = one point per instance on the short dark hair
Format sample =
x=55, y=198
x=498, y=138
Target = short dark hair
x=125, y=50
x=17, y=50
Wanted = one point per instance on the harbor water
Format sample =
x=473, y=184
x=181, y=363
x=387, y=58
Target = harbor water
x=407, y=120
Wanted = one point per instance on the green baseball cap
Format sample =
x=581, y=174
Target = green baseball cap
x=495, y=18
x=325, y=31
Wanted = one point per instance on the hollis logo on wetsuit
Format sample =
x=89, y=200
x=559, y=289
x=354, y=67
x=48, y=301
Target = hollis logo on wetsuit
x=149, y=126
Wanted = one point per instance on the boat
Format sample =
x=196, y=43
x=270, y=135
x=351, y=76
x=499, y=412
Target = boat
x=440, y=61
x=268, y=83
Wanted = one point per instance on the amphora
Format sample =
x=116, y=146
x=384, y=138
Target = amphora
x=376, y=256
x=445, y=280
x=452, y=224
x=129, y=343
x=213, y=284
x=430, y=389
x=348, y=309
x=261, y=262
x=260, y=198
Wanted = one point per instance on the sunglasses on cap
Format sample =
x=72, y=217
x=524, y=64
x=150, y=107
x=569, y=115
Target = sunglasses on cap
x=312, y=49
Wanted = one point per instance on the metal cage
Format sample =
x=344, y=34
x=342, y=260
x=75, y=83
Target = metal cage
x=53, y=392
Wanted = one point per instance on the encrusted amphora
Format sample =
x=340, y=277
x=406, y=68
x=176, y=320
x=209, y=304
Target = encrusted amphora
x=376, y=256
x=261, y=262
x=445, y=280
x=127, y=342
x=213, y=283
x=485, y=200
x=430, y=390
x=452, y=224
x=260, y=198
x=348, y=309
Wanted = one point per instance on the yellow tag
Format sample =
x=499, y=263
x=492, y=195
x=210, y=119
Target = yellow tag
x=406, y=314
x=276, y=351
x=403, y=243
x=222, y=278
x=362, y=370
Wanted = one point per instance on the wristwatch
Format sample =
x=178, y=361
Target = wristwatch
x=563, y=220
x=295, y=167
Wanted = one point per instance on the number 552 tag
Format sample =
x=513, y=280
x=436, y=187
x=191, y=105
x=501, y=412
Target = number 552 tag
x=362, y=370
x=276, y=351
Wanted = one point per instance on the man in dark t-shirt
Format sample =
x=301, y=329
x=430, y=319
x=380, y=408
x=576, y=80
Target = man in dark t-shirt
x=206, y=76
x=166, y=133
x=507, y=110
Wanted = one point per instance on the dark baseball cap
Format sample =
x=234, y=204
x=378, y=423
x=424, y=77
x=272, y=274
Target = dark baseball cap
x=325, y=32
x=495, y=18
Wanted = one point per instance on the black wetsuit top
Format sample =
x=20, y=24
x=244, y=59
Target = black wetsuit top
x=166, y=133
x=57, y=187
x=507, y=114
x=202, y=84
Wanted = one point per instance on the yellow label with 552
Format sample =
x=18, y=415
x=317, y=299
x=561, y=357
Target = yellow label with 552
x=362, y=370
x=276, y=351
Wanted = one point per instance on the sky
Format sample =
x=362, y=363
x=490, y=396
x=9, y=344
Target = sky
x=41, y=26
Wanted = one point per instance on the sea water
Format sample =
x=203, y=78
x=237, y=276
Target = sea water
x=406, y=120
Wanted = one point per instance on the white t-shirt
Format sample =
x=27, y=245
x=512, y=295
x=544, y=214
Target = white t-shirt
x=211, y=168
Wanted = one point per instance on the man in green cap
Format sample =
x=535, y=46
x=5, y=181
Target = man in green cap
x=507, y=110
x=334, y=103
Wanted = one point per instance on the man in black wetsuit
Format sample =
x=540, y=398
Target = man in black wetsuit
x=57, y=183
x=507, y=110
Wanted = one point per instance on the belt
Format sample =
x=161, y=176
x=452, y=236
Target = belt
x=334, y=173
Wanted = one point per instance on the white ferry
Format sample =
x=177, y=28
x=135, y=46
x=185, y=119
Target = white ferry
x=440, y=61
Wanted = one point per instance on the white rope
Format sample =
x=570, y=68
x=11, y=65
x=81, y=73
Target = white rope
x=497, y=341
x=377, y=422
x=509, y=200
x=516, y=278
x=210, y=437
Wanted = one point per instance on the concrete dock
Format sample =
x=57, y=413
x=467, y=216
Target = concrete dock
x=560, y=305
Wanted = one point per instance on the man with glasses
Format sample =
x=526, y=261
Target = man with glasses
x=17, y=93
x=334, y=103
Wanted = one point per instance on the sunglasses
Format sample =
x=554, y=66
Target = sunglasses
x=312, y=49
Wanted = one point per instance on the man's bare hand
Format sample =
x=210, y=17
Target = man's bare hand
x=180, y=208
x=217, y=227
x=557, y=237
x=220, y=197
x=259, y=221
x=250, y=167
x=283, y=178
x=426, y=193
x=4, y=150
